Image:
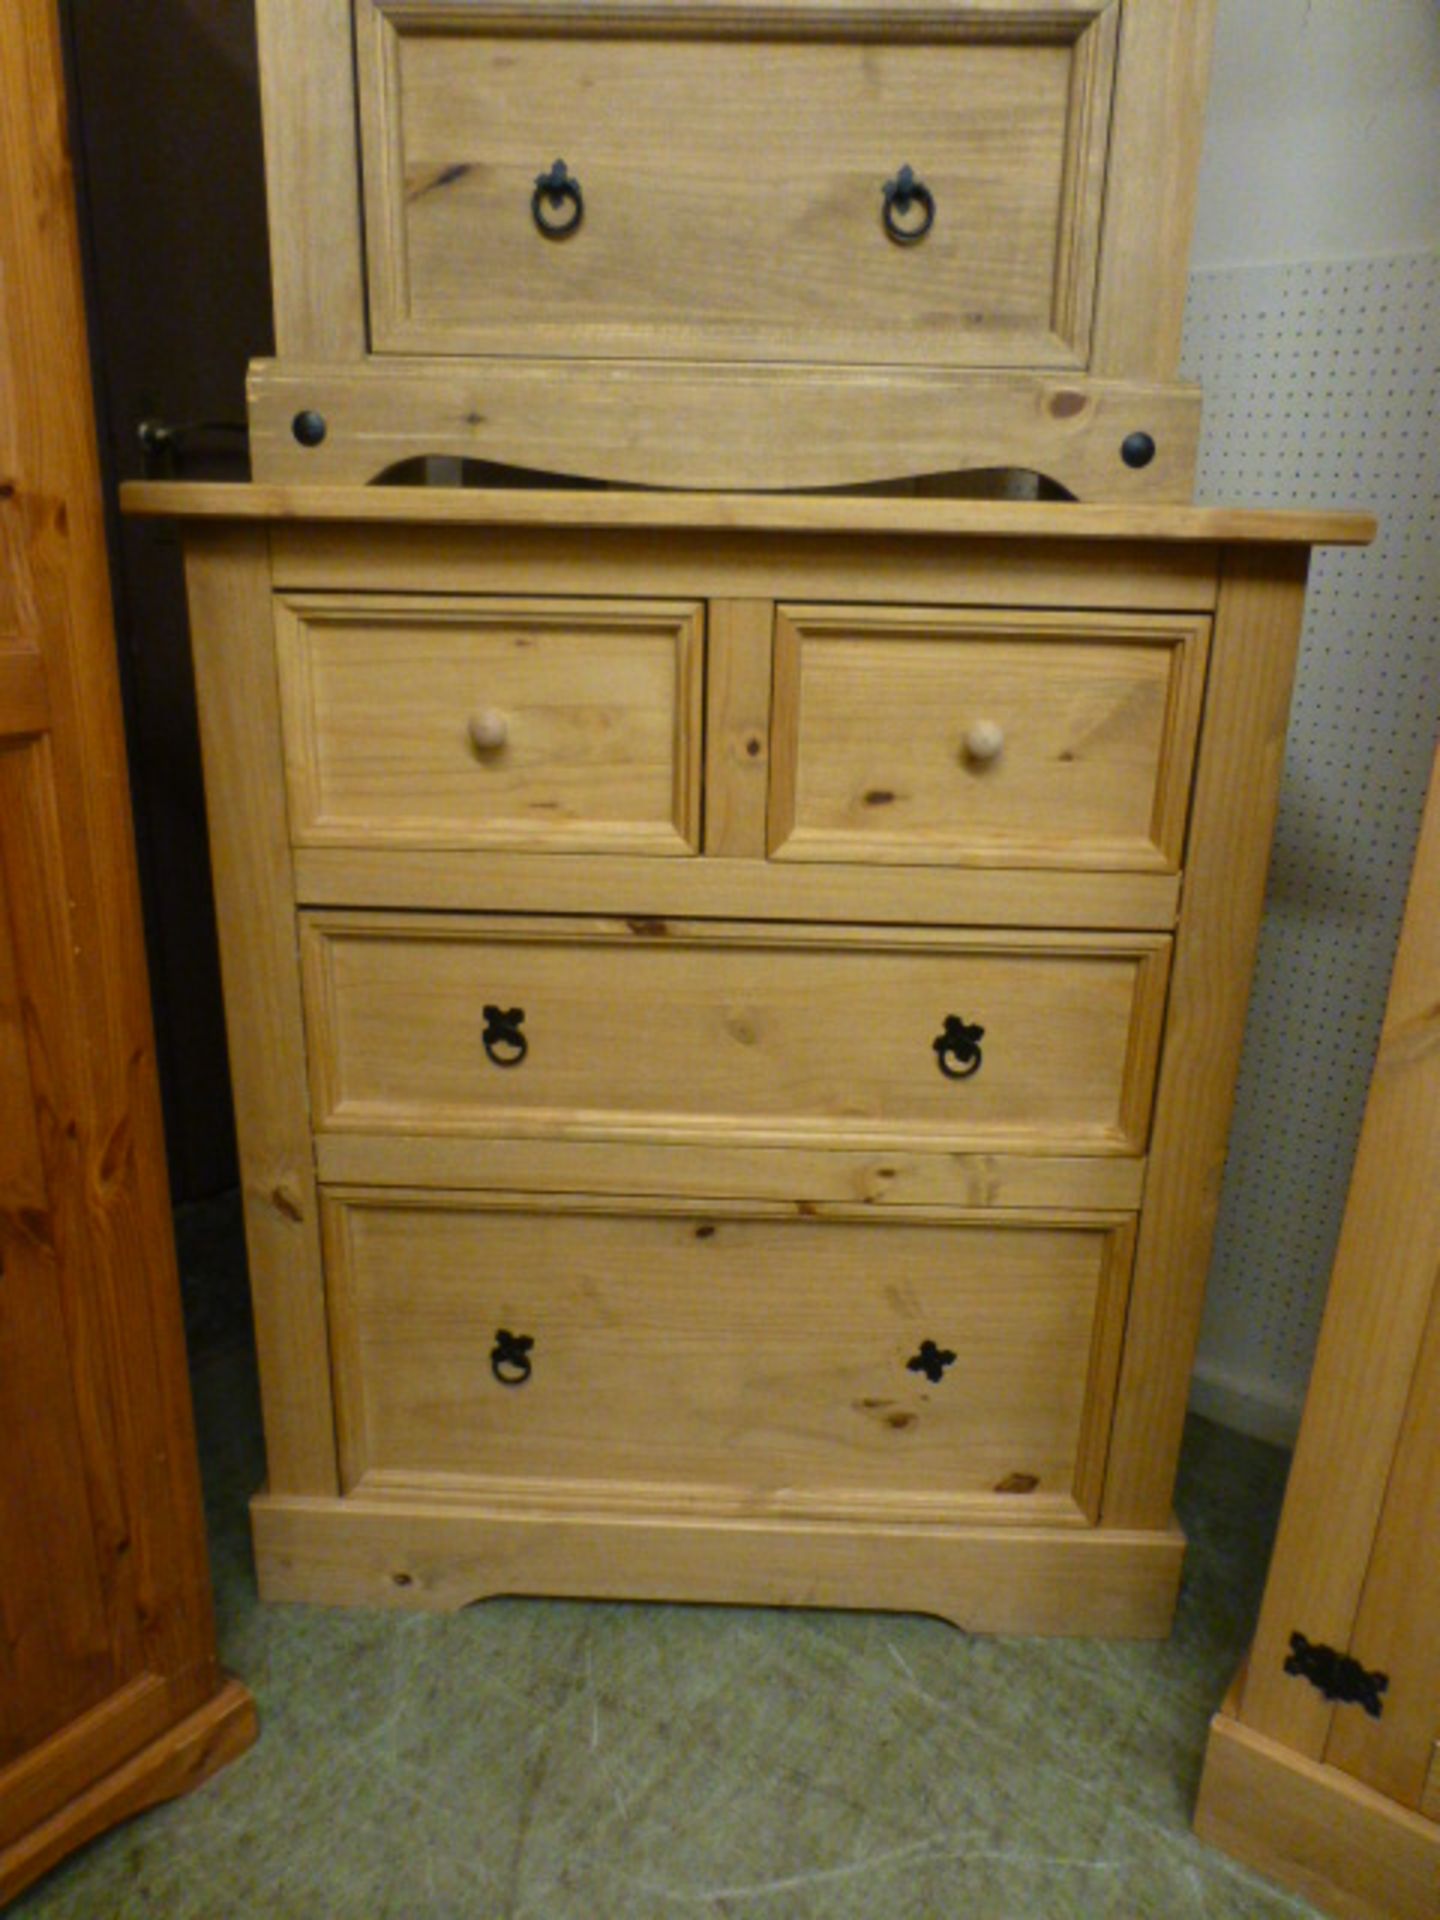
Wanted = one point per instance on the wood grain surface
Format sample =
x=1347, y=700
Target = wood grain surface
x=747, y=1034
x=1027, y=521
x=108, y=1642
x=597, y=709
x=759, y=235
x=729, y=1355
x=1357, y=1561
x=1096, y=716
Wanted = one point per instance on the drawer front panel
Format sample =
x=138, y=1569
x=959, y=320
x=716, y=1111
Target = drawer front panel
x=572, y=726
x=727, y=185
x=679, y=1029
x=767, y=1358
x=918, y=736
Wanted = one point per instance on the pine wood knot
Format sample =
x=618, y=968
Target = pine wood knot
x=286, y=1202
x=33, y=1224
x=1018, y=1483
x=116, y=1154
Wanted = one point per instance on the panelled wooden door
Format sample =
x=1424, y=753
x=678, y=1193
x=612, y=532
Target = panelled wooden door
x=1396, y=1631
x=109, y=1692
x=1324, y=1769
x=1357, y=1564
x=58, y=1657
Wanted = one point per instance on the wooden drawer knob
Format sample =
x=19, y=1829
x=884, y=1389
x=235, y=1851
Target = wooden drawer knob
x=984, y=742
x=489, y=730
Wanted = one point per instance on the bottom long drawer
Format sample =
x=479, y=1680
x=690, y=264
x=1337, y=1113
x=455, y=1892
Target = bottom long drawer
x=744, y=1356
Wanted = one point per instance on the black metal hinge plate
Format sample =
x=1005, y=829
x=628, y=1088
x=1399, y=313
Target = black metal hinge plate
x=1337, y=1676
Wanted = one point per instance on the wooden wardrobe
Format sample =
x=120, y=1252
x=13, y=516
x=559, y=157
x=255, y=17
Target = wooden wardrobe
x=1324, y=1767
x=110, y=1696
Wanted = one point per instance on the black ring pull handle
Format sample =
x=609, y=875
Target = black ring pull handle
x=931, y=1361
x=559, y=192
x=958, y=1049
x=502, y=1039
x=510, y=1358
x=902, y=194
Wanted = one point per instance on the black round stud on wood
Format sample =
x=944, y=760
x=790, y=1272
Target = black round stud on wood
x=309, y=427
x=1138, y=450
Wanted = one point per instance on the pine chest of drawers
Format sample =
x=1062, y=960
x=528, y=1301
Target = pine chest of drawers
x=734, y=1008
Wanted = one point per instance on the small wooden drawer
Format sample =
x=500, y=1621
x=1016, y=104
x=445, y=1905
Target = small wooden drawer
x=741, y=1356
x=549, y=725
x=923, y=736
x=724, y=194
x=762, y=1034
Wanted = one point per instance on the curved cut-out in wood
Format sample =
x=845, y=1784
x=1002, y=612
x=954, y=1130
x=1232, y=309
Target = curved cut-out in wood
x=723, y=429
x=976, y=483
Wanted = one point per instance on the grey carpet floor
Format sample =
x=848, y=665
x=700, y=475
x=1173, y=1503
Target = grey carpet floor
x=535, y=1760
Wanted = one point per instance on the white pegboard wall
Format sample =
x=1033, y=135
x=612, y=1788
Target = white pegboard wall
x=1322, y=388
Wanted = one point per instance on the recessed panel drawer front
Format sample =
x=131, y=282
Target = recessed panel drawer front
x=920, y=736
x=721, y=187
x=766, y=1034
x=783, y=1363
x=567, y=726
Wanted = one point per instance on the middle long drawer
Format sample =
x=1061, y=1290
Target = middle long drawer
x=1025, y=1043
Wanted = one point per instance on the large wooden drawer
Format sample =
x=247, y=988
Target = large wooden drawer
x=563, y=725
x=742, y=1355
x=727, y=180
x=1019, y=1042
x=927, y=735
